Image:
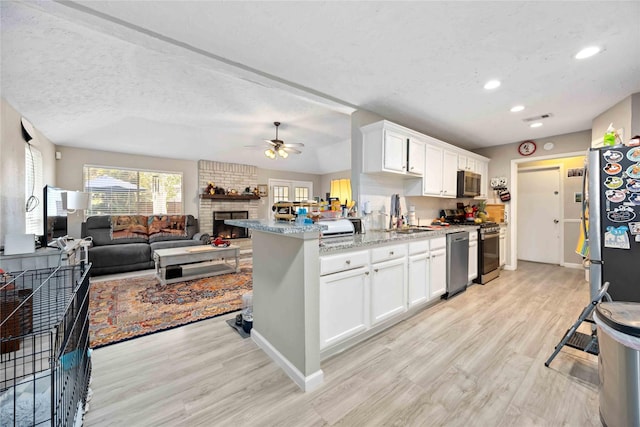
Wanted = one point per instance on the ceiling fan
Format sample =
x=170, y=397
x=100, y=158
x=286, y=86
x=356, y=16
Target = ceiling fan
x=278, y=146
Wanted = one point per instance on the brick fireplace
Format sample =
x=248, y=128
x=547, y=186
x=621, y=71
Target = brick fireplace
x=228, y=176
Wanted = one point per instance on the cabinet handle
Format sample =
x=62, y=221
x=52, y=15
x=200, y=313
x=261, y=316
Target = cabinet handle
x=390, y=252
x=366, y=272
x=412, y=168
x=433, y=256
x=404, y=167
x=348, y=262
x=375, y=269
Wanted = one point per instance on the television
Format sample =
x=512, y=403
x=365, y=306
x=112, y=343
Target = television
x=55, y=213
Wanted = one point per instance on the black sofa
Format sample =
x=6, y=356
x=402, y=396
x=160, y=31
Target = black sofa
x=132, y=249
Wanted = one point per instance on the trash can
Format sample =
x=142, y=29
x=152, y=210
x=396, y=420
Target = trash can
x=618, y=326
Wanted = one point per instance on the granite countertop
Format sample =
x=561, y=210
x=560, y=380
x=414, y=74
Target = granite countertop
x=373, y=238
x=280, y=227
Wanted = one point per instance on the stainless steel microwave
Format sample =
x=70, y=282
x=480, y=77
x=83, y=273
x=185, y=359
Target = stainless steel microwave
x=468, y=184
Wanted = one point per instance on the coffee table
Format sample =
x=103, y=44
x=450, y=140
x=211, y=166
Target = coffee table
x=194, y=262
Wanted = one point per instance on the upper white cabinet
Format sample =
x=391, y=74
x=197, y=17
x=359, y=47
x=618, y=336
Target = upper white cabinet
x=440, y=170
x=482, y=168
x=387, y=147
x=391, y=148
x=394, y=155
x=415, y=160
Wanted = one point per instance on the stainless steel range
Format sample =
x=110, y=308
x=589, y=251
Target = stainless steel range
x=488, y=252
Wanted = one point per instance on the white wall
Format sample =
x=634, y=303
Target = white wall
x=12, y=170
x=501, y=157
x=619, y=115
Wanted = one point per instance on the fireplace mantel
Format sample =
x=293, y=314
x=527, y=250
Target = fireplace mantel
x=230, y=197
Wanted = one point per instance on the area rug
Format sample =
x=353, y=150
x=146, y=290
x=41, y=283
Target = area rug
x=127, y=308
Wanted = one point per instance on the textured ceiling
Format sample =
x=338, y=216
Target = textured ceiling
x=203, y=79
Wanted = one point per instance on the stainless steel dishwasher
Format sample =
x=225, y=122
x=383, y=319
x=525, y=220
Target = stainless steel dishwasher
x=457, y=263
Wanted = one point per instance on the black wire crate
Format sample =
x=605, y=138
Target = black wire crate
x=44, y=346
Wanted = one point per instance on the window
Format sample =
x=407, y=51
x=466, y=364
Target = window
x=34, y=182
x=280, y=193
x=117, y=191
x=301, y=194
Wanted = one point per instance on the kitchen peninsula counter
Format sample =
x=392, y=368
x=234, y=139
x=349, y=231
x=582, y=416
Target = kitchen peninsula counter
x=286, y=289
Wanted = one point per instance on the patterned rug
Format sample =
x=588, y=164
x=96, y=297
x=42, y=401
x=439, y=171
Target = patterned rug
x=127, y=308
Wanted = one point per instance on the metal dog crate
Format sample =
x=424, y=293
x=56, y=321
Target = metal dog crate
x=44, y=346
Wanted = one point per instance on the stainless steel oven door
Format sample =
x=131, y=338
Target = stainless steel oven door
x=490, y=252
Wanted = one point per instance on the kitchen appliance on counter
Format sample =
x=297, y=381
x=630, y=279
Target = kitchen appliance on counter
x=468, y=184
x=613, y=177
x=453, y=216
x=488, y=252
x=457, y=263
x=338, y=227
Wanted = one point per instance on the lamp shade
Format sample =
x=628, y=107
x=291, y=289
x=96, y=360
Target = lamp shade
x=77, y=200
x=341, y=189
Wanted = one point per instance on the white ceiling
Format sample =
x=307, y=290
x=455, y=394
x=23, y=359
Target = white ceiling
x=200, y=80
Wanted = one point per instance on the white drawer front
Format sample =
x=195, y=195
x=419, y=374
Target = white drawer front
x=334, y=263
x=418, y=247
x=388, y=252
x=437, y=243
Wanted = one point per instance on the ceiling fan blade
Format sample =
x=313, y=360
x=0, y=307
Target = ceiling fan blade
x=291, y=150
x=271, y=141
x=257, y=147
x=293, y=144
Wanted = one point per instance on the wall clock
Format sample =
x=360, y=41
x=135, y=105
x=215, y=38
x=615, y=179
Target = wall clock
x=527, y=148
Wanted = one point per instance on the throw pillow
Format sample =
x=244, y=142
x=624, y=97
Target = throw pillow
x=127, y=226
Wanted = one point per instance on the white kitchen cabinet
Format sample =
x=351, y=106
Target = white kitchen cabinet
x=503, y=245
x=388, y=289
x=437, y=267
x=440, y=172
x=473, y=255
x=482, y=168
x=415, y=160
x=466, y=163
x=432, y=181
x=449, y=173
x=344, y=305
x=395, y=151
x=385, y=148
x=418, y=278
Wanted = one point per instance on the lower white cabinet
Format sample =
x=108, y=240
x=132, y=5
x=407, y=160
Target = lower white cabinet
x=438, y=267
x=388, y=284
x=503, y=246
x=418, y=278
x=344, y=305
x=473, y=255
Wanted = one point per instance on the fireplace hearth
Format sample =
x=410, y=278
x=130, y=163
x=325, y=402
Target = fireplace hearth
x=224, y=231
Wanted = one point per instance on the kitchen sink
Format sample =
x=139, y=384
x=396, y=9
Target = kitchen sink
x=412, y=230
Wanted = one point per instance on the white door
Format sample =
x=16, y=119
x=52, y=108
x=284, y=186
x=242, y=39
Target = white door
x=539, y=215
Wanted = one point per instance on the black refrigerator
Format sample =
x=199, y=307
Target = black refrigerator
x=613, y=177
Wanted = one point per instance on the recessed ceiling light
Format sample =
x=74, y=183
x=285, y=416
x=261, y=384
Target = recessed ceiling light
x=587, y=52
x=517, y=108
x=535, y=125
x=492, y=84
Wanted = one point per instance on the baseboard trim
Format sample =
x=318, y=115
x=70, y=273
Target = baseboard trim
x=308, y=383
x=572, y=265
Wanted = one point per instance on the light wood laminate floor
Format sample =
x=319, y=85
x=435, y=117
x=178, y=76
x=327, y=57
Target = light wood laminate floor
x=475, y=360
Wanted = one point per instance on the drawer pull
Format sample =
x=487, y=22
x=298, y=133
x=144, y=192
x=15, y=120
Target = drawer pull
x=348, y=262
x=391, y=253
x=375, y=269
x=366, y=272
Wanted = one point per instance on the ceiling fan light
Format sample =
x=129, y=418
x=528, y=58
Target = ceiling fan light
x=283, y=153
x=270, y=153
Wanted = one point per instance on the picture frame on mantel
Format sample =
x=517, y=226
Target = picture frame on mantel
x=263, y=190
